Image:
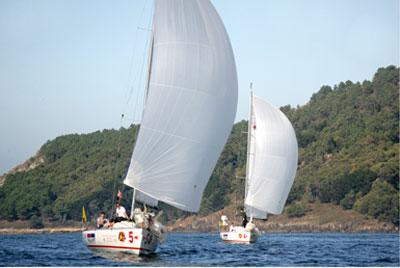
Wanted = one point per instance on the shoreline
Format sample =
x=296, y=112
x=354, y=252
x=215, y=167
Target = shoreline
x=301, y=228
x=14, y=231
x=321, y=218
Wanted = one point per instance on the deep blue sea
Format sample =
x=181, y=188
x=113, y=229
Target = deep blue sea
x=206, y=249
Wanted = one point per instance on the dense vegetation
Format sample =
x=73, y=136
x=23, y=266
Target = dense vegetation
x=348, y=139
x=349, y=146
x=78, y=170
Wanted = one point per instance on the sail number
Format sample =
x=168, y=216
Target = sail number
x=147, y=239
x=130, y=237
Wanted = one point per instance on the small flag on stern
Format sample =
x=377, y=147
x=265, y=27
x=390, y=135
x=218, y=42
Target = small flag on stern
x=84, y=218
x=90, y=235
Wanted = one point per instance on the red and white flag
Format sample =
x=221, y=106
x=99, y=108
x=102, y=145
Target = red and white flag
x=119, y=195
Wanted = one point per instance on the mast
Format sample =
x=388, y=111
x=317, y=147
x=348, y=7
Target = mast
x=248, y=139
x=146, y=92
x=149, y=68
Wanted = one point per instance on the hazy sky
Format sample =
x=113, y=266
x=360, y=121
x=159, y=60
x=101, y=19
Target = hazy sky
x=74, y=66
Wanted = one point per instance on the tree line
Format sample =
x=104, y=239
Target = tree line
x=348, y=138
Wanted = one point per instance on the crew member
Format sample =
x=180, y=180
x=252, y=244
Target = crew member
x=102, y=220
x=224, y=224
x=244, y=221
x=120, y=213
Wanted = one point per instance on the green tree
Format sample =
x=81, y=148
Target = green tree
x=381, y=202
x=296, y=210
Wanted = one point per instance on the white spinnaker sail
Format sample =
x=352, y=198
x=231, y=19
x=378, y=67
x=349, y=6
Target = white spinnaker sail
x=190, y=107
x=272, y=161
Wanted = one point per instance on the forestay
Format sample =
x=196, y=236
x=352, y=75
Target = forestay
x=272, y=160
x=190, y=107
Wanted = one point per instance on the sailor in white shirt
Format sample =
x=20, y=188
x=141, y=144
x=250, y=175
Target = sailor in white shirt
x=121, y=212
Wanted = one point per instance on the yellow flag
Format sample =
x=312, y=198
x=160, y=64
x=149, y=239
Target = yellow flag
x=84, y=219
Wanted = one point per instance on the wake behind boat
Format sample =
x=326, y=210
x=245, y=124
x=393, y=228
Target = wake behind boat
x=190, y=106
x=270, y=169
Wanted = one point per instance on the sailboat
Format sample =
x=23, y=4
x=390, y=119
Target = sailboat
x=190, y=106
x=271, y=166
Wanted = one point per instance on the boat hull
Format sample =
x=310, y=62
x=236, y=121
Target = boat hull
x=239, y=235
x=132, y=240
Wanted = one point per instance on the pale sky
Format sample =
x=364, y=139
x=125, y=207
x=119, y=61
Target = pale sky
x=74, y=66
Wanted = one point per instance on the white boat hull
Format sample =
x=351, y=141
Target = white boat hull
x=121, y=238
x=238, y=235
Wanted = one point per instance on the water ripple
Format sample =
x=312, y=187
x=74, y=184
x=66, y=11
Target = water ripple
x=206, y=249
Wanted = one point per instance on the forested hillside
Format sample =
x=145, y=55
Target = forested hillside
x=348, y=139
x=349, y=146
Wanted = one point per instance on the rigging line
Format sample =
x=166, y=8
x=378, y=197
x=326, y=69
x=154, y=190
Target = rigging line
x=138, y=94
x=145, y=29
x=127, y=119
x=116, y=168
x=149, y=39
x=139, y=85
x=131, y=91
x=145, y=91
x=131, y=77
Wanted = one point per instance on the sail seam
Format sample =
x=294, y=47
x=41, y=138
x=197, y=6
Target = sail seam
x=183, y=88
x=180, y=137
x=184, y=43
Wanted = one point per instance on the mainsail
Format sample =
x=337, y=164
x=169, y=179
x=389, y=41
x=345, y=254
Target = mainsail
x=272, y=160
x=190, y=106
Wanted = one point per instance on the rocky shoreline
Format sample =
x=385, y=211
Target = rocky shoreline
x=270, y=228
x=320, y=218
x=299, y=227
x=12, y=231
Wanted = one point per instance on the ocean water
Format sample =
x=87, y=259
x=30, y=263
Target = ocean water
x=206, y=249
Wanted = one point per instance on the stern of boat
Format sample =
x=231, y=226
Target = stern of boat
x=238, y=235
x=138, y=241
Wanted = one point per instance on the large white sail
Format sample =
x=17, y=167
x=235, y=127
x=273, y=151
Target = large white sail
x=145, y=199
x=272, y=160
x=190, y=107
